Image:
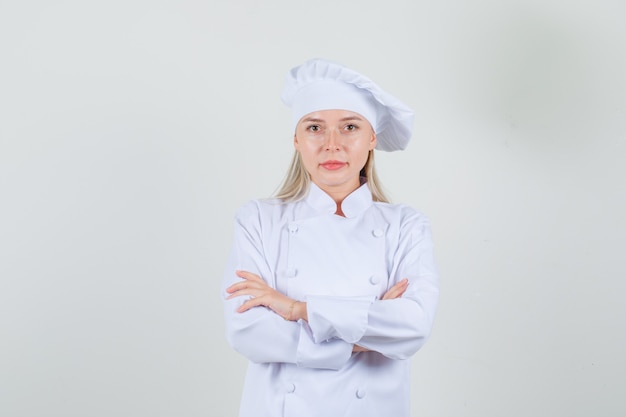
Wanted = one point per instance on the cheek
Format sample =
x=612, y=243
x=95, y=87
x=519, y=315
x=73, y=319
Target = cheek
x=308, y=156
x=363, y=152
x=308, y=149
x=362, y=161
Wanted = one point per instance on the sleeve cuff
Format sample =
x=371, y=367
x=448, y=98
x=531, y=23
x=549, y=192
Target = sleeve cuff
x=342, y=318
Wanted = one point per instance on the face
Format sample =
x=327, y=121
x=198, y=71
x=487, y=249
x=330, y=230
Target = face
x=333, y=146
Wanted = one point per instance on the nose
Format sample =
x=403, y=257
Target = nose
x=332, y=141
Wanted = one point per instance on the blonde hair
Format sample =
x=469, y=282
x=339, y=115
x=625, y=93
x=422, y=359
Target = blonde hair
x=297, y=180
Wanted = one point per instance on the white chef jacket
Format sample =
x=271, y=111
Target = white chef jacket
x=341, y=267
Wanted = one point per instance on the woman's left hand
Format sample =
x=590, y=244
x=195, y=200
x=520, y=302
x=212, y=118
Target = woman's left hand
x=261, y=295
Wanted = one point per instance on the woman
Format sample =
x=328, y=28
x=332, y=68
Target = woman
x=329, y=289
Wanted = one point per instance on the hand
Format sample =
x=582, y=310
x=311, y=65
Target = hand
x=262, y=295
x=397, y=290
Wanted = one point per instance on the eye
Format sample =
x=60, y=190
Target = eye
x=313, y=128
x=351, y=127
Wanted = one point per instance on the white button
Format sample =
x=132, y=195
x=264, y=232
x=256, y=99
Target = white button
x=360, y=393
x=293, y=228
x=377, y=232
x=291, y=387
x=374, y=280
x=292, y=272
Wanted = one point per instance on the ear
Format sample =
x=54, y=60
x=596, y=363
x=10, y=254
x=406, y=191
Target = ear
x=373, y=142
x=295, y=142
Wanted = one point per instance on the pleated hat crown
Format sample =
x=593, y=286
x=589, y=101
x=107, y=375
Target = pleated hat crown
x=320, y=84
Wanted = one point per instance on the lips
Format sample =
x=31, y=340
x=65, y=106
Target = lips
x=333, y=165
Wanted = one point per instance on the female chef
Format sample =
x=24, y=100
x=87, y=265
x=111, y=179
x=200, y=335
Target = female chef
x=330, y=289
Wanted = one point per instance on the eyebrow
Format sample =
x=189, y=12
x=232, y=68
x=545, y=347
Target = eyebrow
x=311, y=119
x=344, y=119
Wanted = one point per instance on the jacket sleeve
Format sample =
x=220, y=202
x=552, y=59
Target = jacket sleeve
x=395, y=328
x=260, y=334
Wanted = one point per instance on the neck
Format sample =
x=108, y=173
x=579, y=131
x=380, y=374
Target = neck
x=339, y=212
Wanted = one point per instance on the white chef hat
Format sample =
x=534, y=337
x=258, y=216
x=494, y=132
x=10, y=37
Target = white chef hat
x=319, y=84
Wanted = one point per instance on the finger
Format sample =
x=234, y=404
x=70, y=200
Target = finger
x=246, y=284
x=233, y=288
x=396, y=290
x=253, y=292
x=401, y=287
x=253, y=302
x=238, y=287
x=262, y=300
x=239, y=294
x=249, y=276
x=390, y=295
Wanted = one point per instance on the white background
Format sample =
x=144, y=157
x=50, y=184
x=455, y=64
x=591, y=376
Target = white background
x=130, y=131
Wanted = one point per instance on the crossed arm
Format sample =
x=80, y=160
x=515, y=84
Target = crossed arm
x=289, y=309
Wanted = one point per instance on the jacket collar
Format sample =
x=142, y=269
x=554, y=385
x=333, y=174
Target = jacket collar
x=353, y=205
